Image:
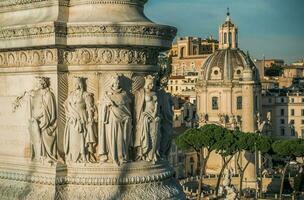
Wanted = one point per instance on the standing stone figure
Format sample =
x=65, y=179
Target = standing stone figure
x=166, y=115
x=115, y=125
x=147, y=134
x=229, y=190
x=80, y=135
x=42, y=121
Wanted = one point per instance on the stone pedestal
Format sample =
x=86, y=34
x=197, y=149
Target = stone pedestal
x=83, y=110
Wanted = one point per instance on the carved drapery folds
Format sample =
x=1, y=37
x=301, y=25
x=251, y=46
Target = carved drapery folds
x=147, y=132
x=80, y=130
x=115, y=125
x=42, y=120
x=128, y=125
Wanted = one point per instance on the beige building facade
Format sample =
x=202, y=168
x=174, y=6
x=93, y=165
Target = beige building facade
x=228, y=91
x=190, y=53
x=286, y=108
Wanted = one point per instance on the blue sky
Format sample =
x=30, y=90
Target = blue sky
x=274, y=28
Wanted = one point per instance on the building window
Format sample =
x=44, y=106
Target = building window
x=230, y=38
x=176, y=88
x=282, y=100
x=256, y=102
x=282, y=121
x=282, y=112
x=225, y=38
x=239, y=102
x=292, y=121
x=302, y=133
x=180, y=159
x=292, y=112
x=195, y=51
x=269, y=100
x=302, y=100
x=292, y=132
x=282, y=131
x=182, y=52
x=214, y=103
x=292, y=100
x=302, y=112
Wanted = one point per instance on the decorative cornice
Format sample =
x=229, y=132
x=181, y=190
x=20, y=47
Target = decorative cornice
x=79, y=57
x=28, y=58
x=130, y=2
x=122, y=30
x=30, y=31
x=72, y=31
x=15, y=5
x=85, y=179
x=114, y=56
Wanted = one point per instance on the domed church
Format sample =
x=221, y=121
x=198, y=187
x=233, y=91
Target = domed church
x=229, y=90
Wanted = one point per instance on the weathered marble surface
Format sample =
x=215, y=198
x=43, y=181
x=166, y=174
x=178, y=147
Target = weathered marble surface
x=78, y=135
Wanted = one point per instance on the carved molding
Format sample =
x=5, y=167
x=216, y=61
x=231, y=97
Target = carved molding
x=85, y=179
x=28, y=58
x=100, y=56
x=60, y=30
x=36, y=31
x=79, y=56
x=130, y=2
x=15, y=190
x=15, y=5
x=151, y=31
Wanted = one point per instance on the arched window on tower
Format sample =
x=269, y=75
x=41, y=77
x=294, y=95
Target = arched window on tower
x=230, y=38
x=225, y=38
x=236, y=39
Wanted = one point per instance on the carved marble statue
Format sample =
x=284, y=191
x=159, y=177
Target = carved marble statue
x=263, y=126
x=229, y=190
x=80, y=132
x=166, y=115
x=147, y=134
x=42, y=122
x=115, y=125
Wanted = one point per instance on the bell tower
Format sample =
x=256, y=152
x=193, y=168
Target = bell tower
x=228, y=34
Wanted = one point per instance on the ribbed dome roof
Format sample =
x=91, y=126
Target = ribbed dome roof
x=227, y=64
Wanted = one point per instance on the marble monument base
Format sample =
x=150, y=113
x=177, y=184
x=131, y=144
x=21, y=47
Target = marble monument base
x=136, y=181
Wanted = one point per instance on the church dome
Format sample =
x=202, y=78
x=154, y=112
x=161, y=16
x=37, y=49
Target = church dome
x=228, y=64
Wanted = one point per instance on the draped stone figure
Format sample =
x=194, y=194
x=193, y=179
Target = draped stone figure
x=147, y=134
x=166, y=115
x=42, y=121
x=80, y=132
x=115, y=125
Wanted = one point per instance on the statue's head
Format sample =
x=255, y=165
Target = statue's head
x=115, y=82
x=43, y=82
x=149, y=82
x=80, y=83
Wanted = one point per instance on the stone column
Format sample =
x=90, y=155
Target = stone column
x=101, y=93
x=248, y=125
